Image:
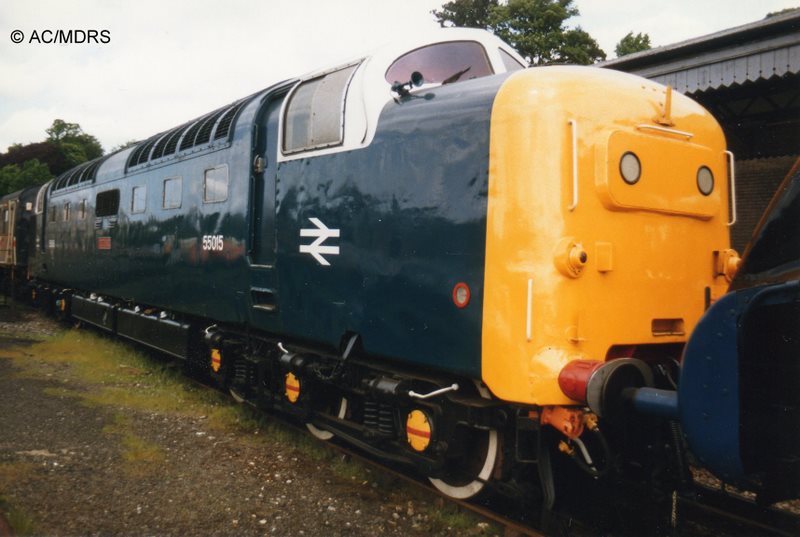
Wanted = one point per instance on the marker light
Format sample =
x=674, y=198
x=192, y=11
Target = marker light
x=630, y=168
x=461, y=295
x=705, y=181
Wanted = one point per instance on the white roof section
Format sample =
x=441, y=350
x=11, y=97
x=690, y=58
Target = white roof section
x=369, y=92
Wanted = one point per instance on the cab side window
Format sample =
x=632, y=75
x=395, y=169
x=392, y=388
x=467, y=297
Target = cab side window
x=442, y=63
x=314, y=116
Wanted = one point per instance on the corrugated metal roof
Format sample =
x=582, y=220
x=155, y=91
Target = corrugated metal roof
x=756, y=51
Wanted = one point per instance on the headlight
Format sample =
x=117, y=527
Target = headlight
x=705, y=181
x=630, y=168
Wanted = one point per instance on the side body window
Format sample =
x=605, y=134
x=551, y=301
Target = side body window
x=314, y=115
x=107, y=203
x=82, y=209
x=66, y=212
x=510, y=61
x=138, y=199
x=442, y=63
x=173, y=189
x=215, y=184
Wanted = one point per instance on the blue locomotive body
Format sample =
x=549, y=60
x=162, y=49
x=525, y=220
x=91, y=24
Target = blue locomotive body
x=203, y=234
x=739, y=392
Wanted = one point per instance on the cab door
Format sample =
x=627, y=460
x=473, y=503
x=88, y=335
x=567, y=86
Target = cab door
x=263, y=284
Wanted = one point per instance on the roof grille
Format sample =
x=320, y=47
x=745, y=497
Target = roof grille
x=158, y=150
x=188, y=138
x=204, y=134
x=191, y=134
x=82, y=173
x=224, y=126
x=142, y=152
x=172, y=143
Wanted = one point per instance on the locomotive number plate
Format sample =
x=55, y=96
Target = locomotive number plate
x=213, y=242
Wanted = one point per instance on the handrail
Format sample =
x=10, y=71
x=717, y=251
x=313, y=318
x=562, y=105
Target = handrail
x=732, y=167
x=643, y=126
x=574, y=125
x=528, y=310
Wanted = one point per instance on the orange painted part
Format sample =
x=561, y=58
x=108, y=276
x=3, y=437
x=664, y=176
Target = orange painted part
x=649, y=246
x=568, y=421
x=292, y=386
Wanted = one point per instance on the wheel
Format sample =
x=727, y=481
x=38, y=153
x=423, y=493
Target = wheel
x=322, y=434
x=467, y=473
x=236, y=396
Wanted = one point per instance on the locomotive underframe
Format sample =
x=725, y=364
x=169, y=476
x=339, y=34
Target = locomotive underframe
x=648, y=456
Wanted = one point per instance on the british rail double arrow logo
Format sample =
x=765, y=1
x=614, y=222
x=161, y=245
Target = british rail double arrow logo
x=316, y=248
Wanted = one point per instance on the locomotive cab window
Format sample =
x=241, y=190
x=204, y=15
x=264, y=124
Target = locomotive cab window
x=107, y=203
x=82, y=209
x=66, y=212
x=442, y=63
x=314, y=116
x=40, y=198
x=173, y=189
x=215, y=184
x=138, y=199
x=52, y=213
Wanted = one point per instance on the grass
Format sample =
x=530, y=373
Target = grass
x=113, y=374
x=21, y=524
x=11, y=473
x=102, y=372
x=140, y=456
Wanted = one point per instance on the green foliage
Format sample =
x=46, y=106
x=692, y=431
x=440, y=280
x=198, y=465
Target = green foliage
x=14, y=177
x=27, y=165
x=536, y=28
x=465, y=13
x=61, y=130
x=71, y=137
x=632, y=43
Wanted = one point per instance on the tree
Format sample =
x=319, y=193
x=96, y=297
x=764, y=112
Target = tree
x=536, y=28
x=66, y=146
x=14, y=177
x=76, y=143
x=632, y=43
x=465, y=13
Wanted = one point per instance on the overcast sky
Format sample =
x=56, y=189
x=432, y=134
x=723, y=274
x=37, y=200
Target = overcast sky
x=170, y=61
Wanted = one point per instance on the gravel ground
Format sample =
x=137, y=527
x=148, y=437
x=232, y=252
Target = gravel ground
x=72, y=467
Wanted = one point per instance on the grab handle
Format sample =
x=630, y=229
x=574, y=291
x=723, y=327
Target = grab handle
x=574, y=125
x=732, y=168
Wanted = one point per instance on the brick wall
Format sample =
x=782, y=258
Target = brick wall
x=756, y=182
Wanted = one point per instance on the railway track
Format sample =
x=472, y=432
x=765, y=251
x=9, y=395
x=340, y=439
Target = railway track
x=704, y=511
x=731, y=514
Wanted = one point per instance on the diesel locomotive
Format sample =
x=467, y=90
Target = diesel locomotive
x=739, y=392
x=431, y=252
